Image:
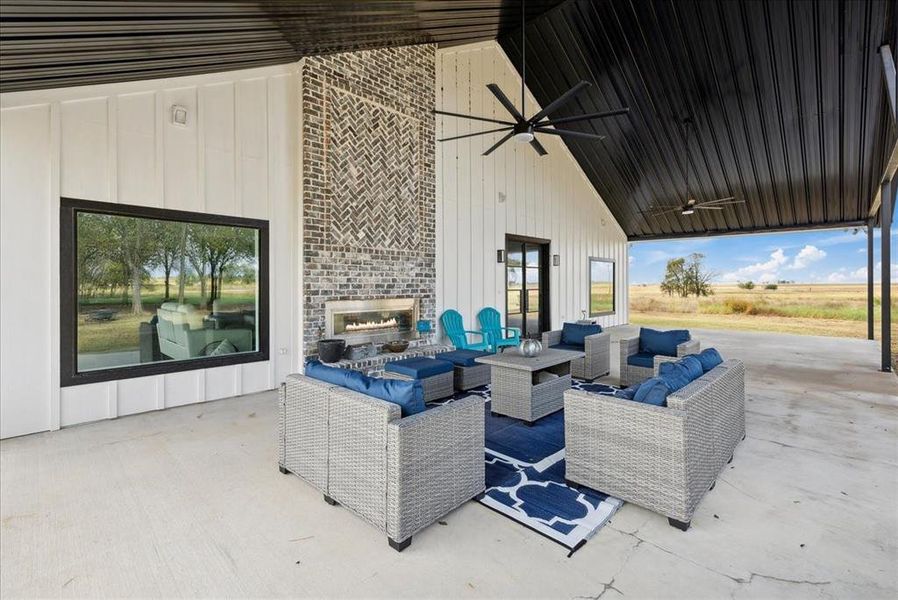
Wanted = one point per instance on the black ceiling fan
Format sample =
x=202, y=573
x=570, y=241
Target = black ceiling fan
x=524, y=130
x=690, y=205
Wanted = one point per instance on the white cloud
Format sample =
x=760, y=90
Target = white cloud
x=807, y=255
x=631, y=259
x=760, y=271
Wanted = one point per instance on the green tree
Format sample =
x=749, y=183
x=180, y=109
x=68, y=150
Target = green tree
x=698, y=279
x=674, y=277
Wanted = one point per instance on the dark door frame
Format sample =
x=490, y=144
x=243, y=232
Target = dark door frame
x=545, y=317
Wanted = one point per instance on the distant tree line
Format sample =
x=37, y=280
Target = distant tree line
x=687, y=277
x=121, y=253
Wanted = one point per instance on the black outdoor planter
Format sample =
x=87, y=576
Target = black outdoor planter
x=330, y=351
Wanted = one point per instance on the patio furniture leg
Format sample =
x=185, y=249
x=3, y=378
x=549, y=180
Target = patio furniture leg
x=330, y=500
x=713, y=484
x=731, y=459
x=479, y=496
x=283, y=469
x=572, y=484
x=400, y=546
x=679, y=524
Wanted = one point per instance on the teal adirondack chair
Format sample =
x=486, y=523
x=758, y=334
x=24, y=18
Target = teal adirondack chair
x=455, y=330
x=496, y=337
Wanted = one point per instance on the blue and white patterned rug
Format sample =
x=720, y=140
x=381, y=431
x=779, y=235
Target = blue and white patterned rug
x=525, y=476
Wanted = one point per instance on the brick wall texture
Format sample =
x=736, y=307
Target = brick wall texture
x=369, y=188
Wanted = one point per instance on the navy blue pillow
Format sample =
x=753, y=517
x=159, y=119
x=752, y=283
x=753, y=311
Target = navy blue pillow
x=693, y=365
x=710, y=358
x=652, y=391
x=662, y=342
x=409, y=395
x=317, y=370
x=575, y=333
x=674, y=374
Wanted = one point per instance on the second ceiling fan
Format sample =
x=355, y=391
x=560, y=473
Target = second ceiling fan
x=522, y=129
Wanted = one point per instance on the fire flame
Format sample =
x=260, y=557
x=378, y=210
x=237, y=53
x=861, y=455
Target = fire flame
x=367, y=325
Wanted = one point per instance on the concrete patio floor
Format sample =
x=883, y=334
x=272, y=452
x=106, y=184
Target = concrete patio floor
x=189, y=502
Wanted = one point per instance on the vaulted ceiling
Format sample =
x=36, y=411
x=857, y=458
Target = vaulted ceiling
x=57, y=43
x=786, y=99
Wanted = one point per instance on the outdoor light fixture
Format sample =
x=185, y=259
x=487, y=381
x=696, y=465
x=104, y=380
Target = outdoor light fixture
x=179, y=115
x=556, y=260
x=524, y=137
x=500, y=256
x=688, y=210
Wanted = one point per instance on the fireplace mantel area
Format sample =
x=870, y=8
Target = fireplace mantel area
x=377, y=321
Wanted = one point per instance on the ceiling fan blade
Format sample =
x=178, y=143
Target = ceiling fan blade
x=560, y=101
x=727, y=199
x=598, y=115
x=459, y=137
x=499, y=143
x=538, y=147
x=485, y=119
x=664, y=212
x=563, y=132
x=730, y=203
x=500, y=95
x=704, y=207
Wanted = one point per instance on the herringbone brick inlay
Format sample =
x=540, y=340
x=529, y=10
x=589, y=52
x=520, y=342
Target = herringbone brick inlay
x=368, y=143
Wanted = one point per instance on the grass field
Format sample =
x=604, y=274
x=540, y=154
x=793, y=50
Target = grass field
x=121, y=333
x=809, y=309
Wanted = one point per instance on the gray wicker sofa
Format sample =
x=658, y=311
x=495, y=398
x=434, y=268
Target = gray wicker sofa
x=661, y=458
x=398, y=474
x=597, y=348
x=632, y=374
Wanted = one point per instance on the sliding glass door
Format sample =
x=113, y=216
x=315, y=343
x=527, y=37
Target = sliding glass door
x=527, y=285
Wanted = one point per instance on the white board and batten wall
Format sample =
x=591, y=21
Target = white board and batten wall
x=514, y=191
x=117, y=143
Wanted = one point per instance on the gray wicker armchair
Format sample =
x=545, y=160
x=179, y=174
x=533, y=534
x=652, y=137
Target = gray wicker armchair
x=662, y=458
x=597, y=348
x=631, y=374
x=398, y=474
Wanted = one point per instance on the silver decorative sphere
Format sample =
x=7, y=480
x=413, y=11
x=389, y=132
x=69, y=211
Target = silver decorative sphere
x=530, y=348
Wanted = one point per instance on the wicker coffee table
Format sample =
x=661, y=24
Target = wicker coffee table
x=529, y=388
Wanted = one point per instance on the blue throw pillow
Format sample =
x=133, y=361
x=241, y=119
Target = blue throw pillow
x=662, y=342
x=710, y=358
x=317, y=370
x=693, y=365
x=409, y=395
x=575, y=333
x=674, y=374
x=652, y=391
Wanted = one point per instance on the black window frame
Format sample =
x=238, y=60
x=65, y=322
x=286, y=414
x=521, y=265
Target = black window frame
x=613, y=286
x=68, y=293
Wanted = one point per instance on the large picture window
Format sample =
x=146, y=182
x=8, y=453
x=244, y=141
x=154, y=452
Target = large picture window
x=147, y=291
x=601, y=287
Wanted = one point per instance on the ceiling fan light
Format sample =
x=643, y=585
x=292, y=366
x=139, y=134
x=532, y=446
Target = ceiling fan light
x=524, y=137
x=688, y=211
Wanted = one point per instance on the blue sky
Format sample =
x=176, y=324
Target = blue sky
x=831, y=256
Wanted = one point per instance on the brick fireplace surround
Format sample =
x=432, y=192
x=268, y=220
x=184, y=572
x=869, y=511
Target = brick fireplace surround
x=368, y=180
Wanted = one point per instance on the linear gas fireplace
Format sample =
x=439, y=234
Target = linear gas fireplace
x=359, y=321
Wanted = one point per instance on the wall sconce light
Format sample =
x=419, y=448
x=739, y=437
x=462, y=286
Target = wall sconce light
x=179, y=115
x=556, y=260
x=500, y=256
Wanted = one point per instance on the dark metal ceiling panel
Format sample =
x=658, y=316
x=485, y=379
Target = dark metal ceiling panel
x=786, y=99
x=57, y=43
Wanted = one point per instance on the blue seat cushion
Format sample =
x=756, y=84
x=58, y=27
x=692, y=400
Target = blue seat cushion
x=418, y=368
x=674, y=374
x=627, y=393
x=462, y=358
x=652, y=391
x=693, y=365
x=710, y=358
x=662, y=342
x=409, y=395
x=642, y=359
x=333, y=375
x=575, y=333
x=574, y=347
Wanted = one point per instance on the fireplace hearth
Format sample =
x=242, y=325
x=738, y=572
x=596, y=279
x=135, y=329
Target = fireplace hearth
x=360, y=321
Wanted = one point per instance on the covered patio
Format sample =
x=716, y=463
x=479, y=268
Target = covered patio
x=187, y=502
x=201, y=203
